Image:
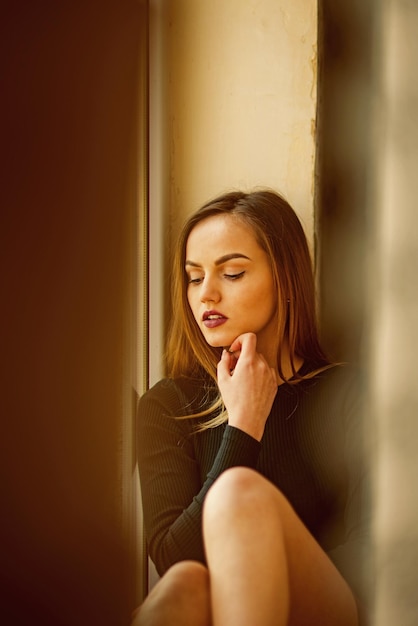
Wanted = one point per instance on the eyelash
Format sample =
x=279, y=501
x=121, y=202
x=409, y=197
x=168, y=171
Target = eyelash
x=234, y=276
x=197, y=281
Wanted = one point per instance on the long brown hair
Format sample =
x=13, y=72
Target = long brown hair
x=279, y=233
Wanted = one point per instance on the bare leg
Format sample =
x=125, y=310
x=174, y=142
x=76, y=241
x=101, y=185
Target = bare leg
x=180, y=598
x=264, y=565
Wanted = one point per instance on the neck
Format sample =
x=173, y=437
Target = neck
x=286, y=365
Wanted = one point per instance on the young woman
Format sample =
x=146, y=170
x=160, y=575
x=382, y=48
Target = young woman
x=250, y=452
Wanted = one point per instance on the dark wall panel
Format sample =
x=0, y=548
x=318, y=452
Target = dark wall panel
x=69, y=157
x=348, y=75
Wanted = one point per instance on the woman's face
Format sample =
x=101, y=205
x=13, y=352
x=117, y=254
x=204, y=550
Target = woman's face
x=230, y=284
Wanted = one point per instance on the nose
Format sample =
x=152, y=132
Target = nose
x=209, y=290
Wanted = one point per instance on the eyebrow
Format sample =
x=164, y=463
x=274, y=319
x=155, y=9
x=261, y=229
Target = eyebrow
x=222, y=259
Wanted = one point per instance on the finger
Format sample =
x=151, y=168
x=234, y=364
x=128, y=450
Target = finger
x=234, y=356
x=234, y=353
x=224, y=365
x=247, y=342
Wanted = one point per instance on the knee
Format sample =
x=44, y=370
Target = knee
x=242, y=491
x=185, y=578
x=183, y=588
x=235, y=481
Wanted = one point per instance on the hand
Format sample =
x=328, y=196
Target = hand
x=248, y=385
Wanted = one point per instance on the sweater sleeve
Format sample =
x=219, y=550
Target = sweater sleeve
x=171, y=485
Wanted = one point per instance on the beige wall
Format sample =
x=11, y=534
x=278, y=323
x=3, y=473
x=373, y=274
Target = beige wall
x=242, y=98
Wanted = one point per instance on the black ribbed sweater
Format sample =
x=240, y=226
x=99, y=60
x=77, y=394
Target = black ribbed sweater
x=312, y=449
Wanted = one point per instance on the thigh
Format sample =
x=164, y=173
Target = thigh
x=287, y=570
x=318, y=594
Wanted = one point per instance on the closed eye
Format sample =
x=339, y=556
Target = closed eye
x=194, y=281
x=234, y=276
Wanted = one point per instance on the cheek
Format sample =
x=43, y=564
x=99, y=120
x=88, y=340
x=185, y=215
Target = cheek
x=262, y=296
x=267, y=302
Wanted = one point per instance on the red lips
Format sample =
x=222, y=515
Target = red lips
x=212, y=313
x=212, y=319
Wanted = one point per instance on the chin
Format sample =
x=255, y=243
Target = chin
x=217, y=344
x=220, y=342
